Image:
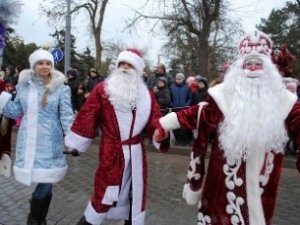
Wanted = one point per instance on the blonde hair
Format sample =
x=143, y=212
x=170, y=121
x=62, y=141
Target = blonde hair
x=45, y=95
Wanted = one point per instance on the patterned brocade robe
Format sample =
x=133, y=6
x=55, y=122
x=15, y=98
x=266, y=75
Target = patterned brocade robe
x=231, y=193
x=122, y=157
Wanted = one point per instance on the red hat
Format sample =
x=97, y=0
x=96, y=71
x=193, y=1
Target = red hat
x=134, y=58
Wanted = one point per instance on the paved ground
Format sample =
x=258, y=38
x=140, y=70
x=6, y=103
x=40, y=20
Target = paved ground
x=167, y=173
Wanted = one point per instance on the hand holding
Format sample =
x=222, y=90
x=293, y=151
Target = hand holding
x=160, y=135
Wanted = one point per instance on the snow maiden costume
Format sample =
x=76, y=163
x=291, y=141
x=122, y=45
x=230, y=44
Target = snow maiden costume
x=40, y=141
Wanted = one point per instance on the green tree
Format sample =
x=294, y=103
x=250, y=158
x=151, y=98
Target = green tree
x=283, y=26
x=95, y=10
x=198, y=32
x=16, y=52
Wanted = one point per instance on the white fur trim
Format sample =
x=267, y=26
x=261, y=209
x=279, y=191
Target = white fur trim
x=57, y=78
x=170, y=122
x=5, y=165
x=223, y=100
x=139, y=219
x=26, y=176
x=92, y=216
x=75, y=141
x=119, y=212
x=111, y=195
x=254, y=165
x=32, y=122
x=137, y=179
x=38, y=55
x=4, y=98
x=136, y=61
x=191, y=197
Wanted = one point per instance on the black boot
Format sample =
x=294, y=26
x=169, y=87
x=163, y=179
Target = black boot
x=82, y=221
x=45, y=207
x=34, y=215
x=127, y=222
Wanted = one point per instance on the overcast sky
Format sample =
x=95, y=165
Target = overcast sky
x=32, y=26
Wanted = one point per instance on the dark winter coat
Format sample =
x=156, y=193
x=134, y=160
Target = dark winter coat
x=200, y=94
x=152, y=80
x=163, y=98
x=73, y=84
x=180, y=95
x=92, y=81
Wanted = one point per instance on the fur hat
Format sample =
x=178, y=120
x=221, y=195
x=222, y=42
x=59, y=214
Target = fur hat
x=72, y=72
x=38, y=55
x=134, y=58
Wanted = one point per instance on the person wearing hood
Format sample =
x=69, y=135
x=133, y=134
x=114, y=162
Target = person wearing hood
x=201, y=92
x=73, y=83
x=45, y=103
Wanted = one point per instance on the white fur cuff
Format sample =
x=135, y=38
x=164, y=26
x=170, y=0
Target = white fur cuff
x=4, y=98
x=75, y=141
x=191, y=197
x=170, y=122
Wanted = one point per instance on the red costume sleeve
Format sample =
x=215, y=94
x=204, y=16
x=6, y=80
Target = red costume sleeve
x=154, y=116
x=209, y=119
x=293, y=127
x=86, y=121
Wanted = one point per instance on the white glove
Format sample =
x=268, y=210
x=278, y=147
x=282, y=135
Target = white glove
x=5, y=165
x=4, y=98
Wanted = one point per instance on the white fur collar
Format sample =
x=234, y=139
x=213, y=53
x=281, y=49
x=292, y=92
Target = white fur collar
x=223, y=100
x=57, y=78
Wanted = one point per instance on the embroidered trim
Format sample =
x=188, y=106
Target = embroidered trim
x=230, y=169
x=264, y=178
x=234, y=208
x=192, y=171
x=203, y=219
x=231, y=181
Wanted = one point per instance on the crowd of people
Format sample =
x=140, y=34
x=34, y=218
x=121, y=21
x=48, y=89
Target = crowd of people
x=246, y=113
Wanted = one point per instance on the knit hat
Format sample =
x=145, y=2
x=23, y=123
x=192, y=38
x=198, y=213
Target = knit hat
x=180, y=75
x=134, y=58
x=163, y=79
x=93, y=70
x=38, y=55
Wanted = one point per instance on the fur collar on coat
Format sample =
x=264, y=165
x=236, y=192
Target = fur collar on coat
x=57, y=78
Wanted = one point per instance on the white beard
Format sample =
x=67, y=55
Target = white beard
x=253, y=122
x=124, y=88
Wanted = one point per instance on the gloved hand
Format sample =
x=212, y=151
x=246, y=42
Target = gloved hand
x=4, y=98
x=73, y=152
x=160, y=135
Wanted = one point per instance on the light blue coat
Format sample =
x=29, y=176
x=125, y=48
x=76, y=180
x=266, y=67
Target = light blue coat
x=40, y=142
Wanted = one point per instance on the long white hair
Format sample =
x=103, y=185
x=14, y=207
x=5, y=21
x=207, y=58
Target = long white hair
x=253, y=122
x=124, y=87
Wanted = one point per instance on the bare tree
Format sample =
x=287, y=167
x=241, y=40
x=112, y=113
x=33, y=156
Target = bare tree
x=195, y=31
x=95, y=10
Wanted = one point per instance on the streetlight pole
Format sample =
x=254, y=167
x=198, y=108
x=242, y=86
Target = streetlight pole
x=68, y=38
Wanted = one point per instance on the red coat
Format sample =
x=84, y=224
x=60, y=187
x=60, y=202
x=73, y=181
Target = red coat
x=121, y=153
x=230, y=193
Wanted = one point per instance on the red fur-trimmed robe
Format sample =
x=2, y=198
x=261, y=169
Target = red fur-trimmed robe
x=231, y=193
x=122, y=158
